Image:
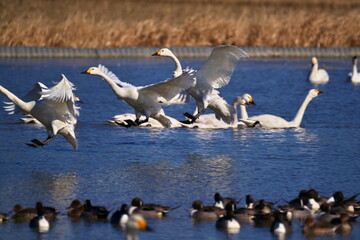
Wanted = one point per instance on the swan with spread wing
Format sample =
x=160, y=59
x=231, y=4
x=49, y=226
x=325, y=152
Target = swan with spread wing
x=214, y=74
x=146, y=100
x=53, y=107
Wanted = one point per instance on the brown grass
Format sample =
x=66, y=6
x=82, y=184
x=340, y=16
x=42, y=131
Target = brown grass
x=131, y=23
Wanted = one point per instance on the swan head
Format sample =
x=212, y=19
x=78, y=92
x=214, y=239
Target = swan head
x=93, y=71
x=314, y=93
x=244, y=100
x=314, y=61
x=354, y=60
x=165, y=52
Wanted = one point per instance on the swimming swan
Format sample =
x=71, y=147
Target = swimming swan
x=145, y=100
x=317, y=76
x=210, y=120
x=272, y=121
x=53, y=107
x=354, y=75
x=215, y=74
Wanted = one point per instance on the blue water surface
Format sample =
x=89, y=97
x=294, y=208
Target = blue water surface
x=177, y=166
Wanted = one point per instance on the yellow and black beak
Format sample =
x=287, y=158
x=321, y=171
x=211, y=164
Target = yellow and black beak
x=87, y=71
x=319, y=92
x=158, y=53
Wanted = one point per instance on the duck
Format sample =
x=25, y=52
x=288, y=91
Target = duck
x=339, y=203
x=343, y=224
x=120, y=216
x=228, y=222
x=55, y=109
x=49, y=213
x=354, y=75
x=146, y=100
x=40, y=222
x=319, y=228
x=200, y=213
x=21, y=214
x=281, y=225
x=149, y=210
x=94, y=212
x=4, y=217
x=317, y=76
x=214, y=74
x=272, y=121
x=75, y=209
x=221, y=201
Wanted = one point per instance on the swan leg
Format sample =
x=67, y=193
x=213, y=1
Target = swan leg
x=38, y=143
x=192, y=117
x=138, y=122
x=256, y=123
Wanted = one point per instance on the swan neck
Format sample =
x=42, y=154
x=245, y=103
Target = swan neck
x=116, y=89
x=235, y=116
x=244, y=114
x=300, y=114
x=24, y=106
x=355, y=68
x=178, y=67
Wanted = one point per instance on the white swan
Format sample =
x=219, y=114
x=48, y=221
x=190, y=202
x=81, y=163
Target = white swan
x=210, y=121
x=33, y=95
x=145, y=100
x=272, y=121
x=53, y=107
x=317, y=76
x=354, y=75
x=215, y=74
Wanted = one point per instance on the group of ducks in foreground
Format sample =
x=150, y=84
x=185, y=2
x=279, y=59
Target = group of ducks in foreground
x=318, y=215
x=55, y=107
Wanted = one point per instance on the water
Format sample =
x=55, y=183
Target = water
x=176, y=166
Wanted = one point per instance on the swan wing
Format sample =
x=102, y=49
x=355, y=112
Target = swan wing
x=181, y=98
x=220, y=66
x=34, y=95
x=113, y=77
x=170, y=88
x=61, y=93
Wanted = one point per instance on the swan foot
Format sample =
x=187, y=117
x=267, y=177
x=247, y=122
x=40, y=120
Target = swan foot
x=138, y=122
x=191, y=117
x=257, y=123
x=38, y=143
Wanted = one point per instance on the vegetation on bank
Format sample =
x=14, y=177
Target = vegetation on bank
x=147, y=23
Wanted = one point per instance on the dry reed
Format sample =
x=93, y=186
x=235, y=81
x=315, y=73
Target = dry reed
x=121, y=23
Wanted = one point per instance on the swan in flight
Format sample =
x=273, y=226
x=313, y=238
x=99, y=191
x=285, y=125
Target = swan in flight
x=53, y=107
x=146, y=100
x=214, y=74
x=317, y=76
x=354, y=75
x=33, y=95
x=272, y=121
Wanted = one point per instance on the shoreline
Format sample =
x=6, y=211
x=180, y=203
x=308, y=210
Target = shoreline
x=190, y=52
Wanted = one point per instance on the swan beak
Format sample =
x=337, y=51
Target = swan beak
x=252, y=102
x=87, y=71
x=319, y=92
x=158, y=53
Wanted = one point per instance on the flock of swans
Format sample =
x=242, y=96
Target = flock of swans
x=55, y=107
